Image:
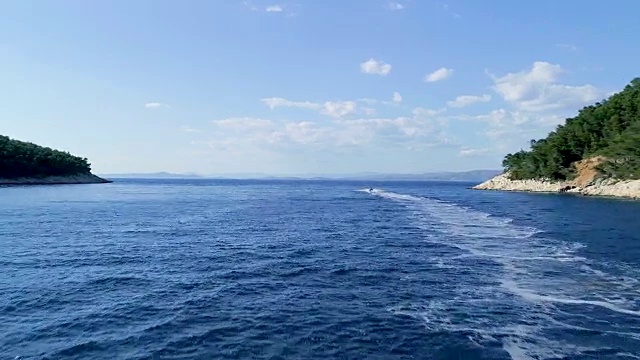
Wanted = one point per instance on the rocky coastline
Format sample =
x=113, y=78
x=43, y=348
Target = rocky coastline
x=595, y=187
x=57, y=180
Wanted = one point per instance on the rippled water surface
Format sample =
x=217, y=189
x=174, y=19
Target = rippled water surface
x=201, y=269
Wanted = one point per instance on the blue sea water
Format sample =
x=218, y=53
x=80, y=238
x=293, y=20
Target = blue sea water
x=202, y=269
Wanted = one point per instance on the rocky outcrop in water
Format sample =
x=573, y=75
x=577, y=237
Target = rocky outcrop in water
x=595, y=187
x=56, y=180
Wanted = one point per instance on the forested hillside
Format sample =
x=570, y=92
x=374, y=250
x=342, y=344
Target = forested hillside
x=610, y=128
x=20, y=159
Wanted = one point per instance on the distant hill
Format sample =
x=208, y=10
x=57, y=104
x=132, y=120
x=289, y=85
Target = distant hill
x=474, y=175
x=606, y=134
x=155, y=175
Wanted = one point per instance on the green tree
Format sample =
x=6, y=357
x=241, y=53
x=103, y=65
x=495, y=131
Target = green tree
x=610, y=128
x=23, y=159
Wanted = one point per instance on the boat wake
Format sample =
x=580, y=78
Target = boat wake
x=372, y=191
x=515, y=287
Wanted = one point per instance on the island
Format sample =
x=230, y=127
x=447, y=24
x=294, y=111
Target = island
x=594, y=153
x=25, y=163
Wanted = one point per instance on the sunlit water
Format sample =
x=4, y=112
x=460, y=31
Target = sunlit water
x=200, y=269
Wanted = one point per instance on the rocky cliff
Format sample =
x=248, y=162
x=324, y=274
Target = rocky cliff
x=587, y=182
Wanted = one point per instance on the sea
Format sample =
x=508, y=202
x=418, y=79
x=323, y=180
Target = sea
x=275, y=269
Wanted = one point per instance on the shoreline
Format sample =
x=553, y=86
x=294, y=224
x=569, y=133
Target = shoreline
x=611, y=188
x=56, y=180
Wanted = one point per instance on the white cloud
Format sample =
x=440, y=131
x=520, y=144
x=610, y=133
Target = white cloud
x=562, y=97
x=526, y=84
x=422, y=129
x=466, y=100
x=501, y=118
x=400, y=128
x=473, y=152
x=274, y=8
x=189, y=129
x=438, y=75
x=368, y=101
x=256, y=139
x=275, y=102
x=339, y=108
x=447, y=8
x=310, y=134
x=155, y=105
x=356, y=132
x=331, y=108
x=392, y=5
x=395, y=100
x=426, y=112
x=244, y=123
x=539, y=103
x=415, y=131
x=305, y=132
x=537, y=89
x=569, y=47
x=373, y=66
x=250, y=6
x=368, y=111
x=511, y=130
x=219, y=145
x=378, y=122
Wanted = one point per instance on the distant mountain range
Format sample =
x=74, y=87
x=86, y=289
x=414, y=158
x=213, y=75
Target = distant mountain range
x=472, y=175
x=155, y=175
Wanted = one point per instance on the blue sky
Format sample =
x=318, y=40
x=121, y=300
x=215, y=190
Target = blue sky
x=305, y=86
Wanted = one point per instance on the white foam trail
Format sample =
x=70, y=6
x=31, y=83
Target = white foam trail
x=543, y=273
x=628, y=355
x=394, y=196
x=534, y=297
x=515, y=351
x=371, y=191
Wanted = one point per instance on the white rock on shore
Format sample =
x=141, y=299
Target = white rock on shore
x=56, y=180
x=613, y=188
x=626, y=189
x=502, y=182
